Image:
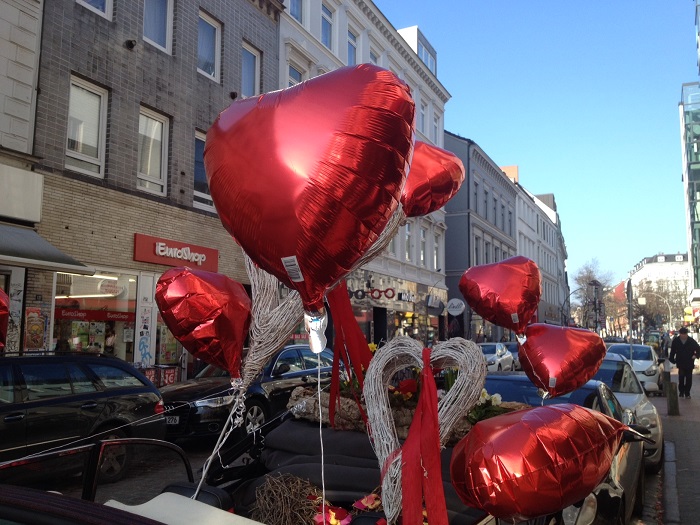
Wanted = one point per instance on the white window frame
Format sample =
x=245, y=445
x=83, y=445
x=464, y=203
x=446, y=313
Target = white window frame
x=408, y=255
x=168, y=29
x=256, y=53
x=293, y=81
x=436, y=127
x=300, y=3
x=198, y=135
x=217, y=47
x=423, y=246
x=329, y=18
x=353, y=39
x=107, y=13
x=436, y=251
x=163, y=179
x=421, y=117
x=373, y=57
x=99, y=161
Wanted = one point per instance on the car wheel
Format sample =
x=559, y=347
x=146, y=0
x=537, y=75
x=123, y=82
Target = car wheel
x=255, y=415
x=115, y=459
x=638, y=509
x=655, y=468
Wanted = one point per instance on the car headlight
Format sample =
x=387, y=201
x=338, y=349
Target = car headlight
x=214, y=402
x=491, y=361
x=648, y=418
x=651, y=371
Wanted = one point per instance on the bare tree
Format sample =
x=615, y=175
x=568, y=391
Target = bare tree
x=591, y=288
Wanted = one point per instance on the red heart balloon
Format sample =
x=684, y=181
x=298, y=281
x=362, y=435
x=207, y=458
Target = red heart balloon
x=505, y=293
x=533, y=462
x=208, y=313
x=560, y=359
x=4, y=317
x=435, y=177
x=306, y=178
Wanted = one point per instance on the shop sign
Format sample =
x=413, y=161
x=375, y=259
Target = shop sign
x=455, y=307
x=94, y=315
x=174, y=253
x=374, y=293
x=110, y=287
x=406, y=296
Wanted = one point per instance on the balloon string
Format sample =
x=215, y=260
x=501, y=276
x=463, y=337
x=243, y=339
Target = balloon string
x=320, y=437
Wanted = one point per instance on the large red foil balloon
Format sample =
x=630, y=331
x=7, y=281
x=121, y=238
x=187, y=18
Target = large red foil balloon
x=306, y=178
x=435, y=177
x=560, y=359
x=534, y=462
x=208, y=313
x=4, y=318
x=505, y=293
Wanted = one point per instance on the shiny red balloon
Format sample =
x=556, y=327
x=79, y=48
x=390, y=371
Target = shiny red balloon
x=505, y=293
x=306, y=178
x=4, y=318
x=534, y=462
x=435, y=177
x=560, y=359
x=208, y=313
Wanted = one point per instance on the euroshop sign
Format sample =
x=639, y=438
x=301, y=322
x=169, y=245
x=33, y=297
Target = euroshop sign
x=174, y=253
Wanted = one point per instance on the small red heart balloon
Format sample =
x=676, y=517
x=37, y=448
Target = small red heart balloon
x=4, y=317
x=208, y=313
x=560, y=359
x=435, y=177
x=534, y=462
x=505, y=293
x=306, y=178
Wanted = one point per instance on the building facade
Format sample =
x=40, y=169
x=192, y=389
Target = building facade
x=481, y=229
x=123, y=100
x=402, y=291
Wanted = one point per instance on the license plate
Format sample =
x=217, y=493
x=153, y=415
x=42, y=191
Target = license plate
x=172, y=420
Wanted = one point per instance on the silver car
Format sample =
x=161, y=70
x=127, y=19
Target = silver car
x=645, y=362
x=616, y=372
x=497, y=356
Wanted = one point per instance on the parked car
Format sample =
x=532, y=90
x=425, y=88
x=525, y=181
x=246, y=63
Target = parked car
x=621, y=495
x=512, y=347
x=616, y=372
x=51, y=401
x=645, y=361
x=497, y=356
x=200, y=406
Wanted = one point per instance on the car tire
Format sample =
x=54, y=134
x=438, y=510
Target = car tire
x=256, y=415
x=115, y=460
x=655, y=468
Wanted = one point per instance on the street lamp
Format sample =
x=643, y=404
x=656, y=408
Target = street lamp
x=596, y=284
x=663, y=299
x=566, y=301
x=427, y=306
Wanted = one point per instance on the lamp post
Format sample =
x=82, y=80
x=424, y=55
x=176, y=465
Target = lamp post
x=566, y=301
x=596, y=311
x=664, y=300
x=427, y=306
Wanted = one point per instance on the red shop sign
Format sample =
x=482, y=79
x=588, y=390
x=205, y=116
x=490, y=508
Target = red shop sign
x=174, y=253
x=94, y=315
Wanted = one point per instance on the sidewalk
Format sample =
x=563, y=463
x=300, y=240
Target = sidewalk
x=681, y=498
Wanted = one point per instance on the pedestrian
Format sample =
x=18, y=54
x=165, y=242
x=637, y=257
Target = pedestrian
x=684, y=350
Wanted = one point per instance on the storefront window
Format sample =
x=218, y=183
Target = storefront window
x=95, y=313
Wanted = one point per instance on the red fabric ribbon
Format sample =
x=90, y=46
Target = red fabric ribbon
x=4, y=317
x=350, y=346
x=421, y=474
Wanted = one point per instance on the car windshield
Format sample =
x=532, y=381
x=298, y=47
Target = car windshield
x=488, y=349
x=212, y=371
x=619, y=376
x=639, y=352
x=526, y=392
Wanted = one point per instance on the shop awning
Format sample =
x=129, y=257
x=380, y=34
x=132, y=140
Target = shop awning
x=20, y=246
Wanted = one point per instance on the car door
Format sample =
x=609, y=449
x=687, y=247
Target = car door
x=57, y=412
x=13, y=421
x=312, y=362
x=287, y=373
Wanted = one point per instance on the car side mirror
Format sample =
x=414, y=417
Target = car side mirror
x=282, y=369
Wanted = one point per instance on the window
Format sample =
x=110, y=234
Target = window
x=7, y=385
x=436, y=252
x=326, y=26
x=408, y=242
x=46, y=381
x=81, y=382
x=495, y=210
x=392, y=246
x=158, y=23
x=101, y=7
x=202, y=196
x=421, y=117
x=487, y=252
x=496, y=254
x=477, y=255
x=503, y=216
x=113, y=377
x=510, y=223
x=295, y=76
x=153, y=152
x=295, y=10
x=352, y=48
x=427, y=57
x=87, y=128
x=423, y=241
x=373, y=57
x=486, y=205
x=476, y=197
x=250, y=71
x=208, y=46
x=436, y=127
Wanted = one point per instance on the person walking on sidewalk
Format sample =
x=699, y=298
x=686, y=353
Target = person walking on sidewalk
x=684, y=350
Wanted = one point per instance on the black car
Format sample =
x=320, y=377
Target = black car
x=200, y=406
x=621, y=494
x=52, y=401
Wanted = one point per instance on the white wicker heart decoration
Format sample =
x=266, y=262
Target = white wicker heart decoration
x=400, y=353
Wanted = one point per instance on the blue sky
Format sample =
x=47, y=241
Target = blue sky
x=583, y=97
